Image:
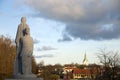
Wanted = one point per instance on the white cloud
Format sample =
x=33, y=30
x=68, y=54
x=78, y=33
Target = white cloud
x=83, y=18
x=46, y=48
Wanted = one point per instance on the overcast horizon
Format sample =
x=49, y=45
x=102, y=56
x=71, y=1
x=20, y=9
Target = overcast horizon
x=64, y=30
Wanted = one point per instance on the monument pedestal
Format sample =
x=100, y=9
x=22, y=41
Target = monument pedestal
x=27, y=79
x=25, y=76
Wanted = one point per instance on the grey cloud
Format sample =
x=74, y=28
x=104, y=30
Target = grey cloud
x=45, y=56
x=98, y=32
x=46, y=48
x=65, y=38
x=84, y=19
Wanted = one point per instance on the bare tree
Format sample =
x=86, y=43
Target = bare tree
x=111, y=61
x=108, y=58
x=114, y=59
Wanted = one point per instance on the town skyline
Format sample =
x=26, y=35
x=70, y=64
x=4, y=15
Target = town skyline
x=63, y=30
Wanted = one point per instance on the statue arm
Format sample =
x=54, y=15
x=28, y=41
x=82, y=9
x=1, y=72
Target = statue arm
x=17, y=37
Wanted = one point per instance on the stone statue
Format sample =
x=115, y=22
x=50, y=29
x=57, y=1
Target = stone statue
x=24, y=47
x=20, y=34
x=26, y=52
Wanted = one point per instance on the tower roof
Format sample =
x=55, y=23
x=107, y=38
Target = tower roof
x=85, y=60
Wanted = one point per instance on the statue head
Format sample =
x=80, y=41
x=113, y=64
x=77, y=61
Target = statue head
x=27, y=31
x=23, y=20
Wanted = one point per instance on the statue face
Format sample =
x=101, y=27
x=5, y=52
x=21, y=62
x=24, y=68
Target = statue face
x=27, y=31
x=23, y=20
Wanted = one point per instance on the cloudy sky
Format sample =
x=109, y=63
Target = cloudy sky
x=64, y=30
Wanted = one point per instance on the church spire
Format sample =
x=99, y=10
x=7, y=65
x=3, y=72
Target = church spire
x=85, y=60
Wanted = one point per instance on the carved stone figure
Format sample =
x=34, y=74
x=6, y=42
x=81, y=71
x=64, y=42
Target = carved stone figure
x=19, y=35
x=24, y=47
x=26, y=52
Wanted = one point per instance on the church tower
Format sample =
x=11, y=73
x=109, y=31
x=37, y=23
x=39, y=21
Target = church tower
x=85, y=60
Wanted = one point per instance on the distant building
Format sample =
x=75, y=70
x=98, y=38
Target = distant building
x=68, y=68
x=85, y=60
x=81, y=73
x=77, y=73
x=84, y=73
x=89, y=71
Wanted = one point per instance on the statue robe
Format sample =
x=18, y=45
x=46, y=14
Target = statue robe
x=26, y=54
x=19, y=35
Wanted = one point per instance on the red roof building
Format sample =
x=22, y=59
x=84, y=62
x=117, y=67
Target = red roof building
x=84, y=73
